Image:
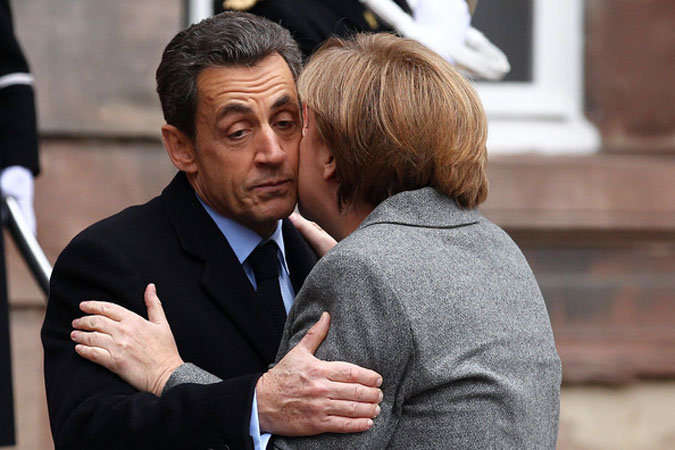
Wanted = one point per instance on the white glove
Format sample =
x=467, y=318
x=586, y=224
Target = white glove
x=17, y=182
x=480, y=57
x=444, y=24
x=444, y=27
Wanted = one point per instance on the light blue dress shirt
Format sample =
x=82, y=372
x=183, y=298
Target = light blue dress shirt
x=243, y=241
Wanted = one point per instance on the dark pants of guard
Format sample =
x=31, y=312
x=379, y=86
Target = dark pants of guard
x=6, y=398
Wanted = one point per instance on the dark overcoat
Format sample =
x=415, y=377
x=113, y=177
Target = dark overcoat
x=209, y=303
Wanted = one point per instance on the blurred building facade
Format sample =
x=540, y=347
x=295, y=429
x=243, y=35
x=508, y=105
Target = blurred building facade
x=595, y=219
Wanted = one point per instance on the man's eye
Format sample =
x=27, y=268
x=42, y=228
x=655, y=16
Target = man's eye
x=239, y=134
x=285, y=124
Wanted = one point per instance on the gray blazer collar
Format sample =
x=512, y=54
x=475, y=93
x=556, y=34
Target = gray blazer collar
x=424, y=207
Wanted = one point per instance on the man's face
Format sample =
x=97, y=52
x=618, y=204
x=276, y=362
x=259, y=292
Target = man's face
x=246, y=144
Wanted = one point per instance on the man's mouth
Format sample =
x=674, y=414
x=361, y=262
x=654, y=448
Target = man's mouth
x=272, y=185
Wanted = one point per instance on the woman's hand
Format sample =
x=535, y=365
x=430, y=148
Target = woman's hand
x=320, y=241
x=142, y=352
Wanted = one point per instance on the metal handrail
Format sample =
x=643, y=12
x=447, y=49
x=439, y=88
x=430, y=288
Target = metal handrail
x=25, y=241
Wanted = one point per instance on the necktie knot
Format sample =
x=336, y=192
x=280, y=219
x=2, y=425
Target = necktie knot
x=264, y=262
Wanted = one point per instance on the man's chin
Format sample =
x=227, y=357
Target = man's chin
x=279, y=208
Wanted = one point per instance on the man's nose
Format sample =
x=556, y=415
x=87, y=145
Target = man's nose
x=268, y=147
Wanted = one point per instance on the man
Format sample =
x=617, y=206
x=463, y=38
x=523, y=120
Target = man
x=227, y=88
x=18, y=165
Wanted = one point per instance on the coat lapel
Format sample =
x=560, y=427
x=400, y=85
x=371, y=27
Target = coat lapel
x=223, y=278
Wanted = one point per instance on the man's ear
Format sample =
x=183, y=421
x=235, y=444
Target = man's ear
x=180, y=148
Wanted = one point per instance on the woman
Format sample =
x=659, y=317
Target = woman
x=421, y=288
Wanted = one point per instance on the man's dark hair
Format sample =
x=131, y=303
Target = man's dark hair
x=227, y=39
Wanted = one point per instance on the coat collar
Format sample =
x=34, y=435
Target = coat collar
x=223, y=277
x=424, y=207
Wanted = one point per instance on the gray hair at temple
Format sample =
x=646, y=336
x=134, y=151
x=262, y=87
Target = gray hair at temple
x=227, y=39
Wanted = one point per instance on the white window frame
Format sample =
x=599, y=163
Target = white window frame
x=545, y=115
x=198, y=10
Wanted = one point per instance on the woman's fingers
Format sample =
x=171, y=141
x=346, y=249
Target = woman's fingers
x=96, y=323
x=95, y=355
x=142, y=352
x=92, y=339
x=111, y=310
x=154, y=305
x=320, y=241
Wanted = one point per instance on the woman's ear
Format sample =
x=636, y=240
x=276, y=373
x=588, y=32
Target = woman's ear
x=180, y=148
x=328, y=162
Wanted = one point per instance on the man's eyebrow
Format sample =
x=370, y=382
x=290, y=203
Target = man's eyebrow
x=282, y=101
x=233, y=108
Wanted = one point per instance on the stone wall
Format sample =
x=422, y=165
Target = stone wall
x=630, y=62
x=94, y=62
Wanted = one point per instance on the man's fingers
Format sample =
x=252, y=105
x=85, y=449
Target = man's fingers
x=354, y=392
x=353, y=410
x=108, y=309
x=96, y=323
x=316, y=334
x=154, y=305
x=95, y=354
x=336, y=424
x=351, y=373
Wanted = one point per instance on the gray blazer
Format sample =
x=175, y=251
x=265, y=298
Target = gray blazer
x=442, y=304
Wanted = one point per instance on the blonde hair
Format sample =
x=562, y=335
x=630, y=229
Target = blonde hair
x=396, y=117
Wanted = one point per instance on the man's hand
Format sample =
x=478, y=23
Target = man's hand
x=320, y=241
x=142, y=352
x=303, y=396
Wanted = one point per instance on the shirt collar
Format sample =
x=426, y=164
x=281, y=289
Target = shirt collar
x=244, y=240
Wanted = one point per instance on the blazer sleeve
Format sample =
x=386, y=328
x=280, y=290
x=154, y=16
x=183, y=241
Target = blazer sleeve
x=18, y=121
x=368, y=327
x=90, y=407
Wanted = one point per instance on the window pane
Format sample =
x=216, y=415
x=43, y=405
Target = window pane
x=509, y=26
